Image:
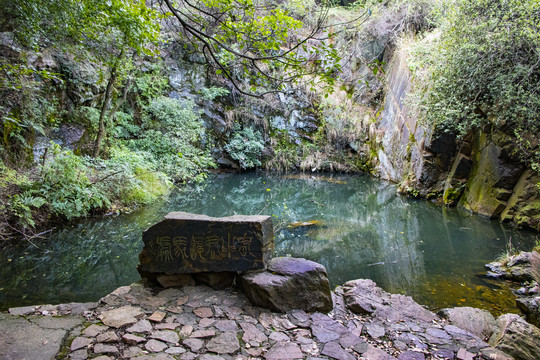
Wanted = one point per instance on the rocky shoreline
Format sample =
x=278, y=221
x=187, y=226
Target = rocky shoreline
x=197, y=322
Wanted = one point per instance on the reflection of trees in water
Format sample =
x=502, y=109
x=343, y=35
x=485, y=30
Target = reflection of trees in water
x=367, y=232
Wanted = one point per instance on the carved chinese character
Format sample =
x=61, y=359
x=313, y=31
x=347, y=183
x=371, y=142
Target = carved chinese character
x=180, y=246
x=196, y=248
x=244, y=245
x=213, y=246
x=164, y=252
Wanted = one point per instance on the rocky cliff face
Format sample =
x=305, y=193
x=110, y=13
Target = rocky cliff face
x=480, y=173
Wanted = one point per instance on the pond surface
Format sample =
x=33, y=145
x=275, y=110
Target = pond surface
x=356, y=226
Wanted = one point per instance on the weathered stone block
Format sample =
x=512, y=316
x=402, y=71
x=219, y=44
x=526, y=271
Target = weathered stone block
x=190, y=243
x=289, y=283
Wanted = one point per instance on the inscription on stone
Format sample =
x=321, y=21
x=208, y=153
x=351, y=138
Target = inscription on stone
x=191, y=243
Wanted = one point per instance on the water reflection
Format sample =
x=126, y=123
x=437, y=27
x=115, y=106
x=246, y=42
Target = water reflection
x=363, y=230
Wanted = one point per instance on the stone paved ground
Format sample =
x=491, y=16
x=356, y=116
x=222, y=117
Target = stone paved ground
x=136, y=322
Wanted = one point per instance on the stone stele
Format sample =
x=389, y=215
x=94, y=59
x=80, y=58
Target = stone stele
x=184, y=243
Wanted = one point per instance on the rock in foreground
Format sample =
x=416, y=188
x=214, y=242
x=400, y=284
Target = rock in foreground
x=289, y=283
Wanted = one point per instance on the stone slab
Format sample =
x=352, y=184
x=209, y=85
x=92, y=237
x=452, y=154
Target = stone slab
x=189, y=243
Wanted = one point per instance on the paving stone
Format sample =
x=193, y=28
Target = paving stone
x=252, y=333
x=94, y=330
x=411, y=355
x=463, y=354
x=108, y=337
x=155, y=346
x=186, y=319
x=132, y=339
x=105, y=349
x=186, y=331
x=166, y=326
x=203, y=312
x=278, y=336
x=210, y=357
x=206, y=322
x=166, y=336
x=284, y=351
x=122, y=316
x=225, y=343
x=175, y=350
x=335, y=351
x=103, y=357
x=81, y=354
x=160, y=356
x=226, y=325
x=255, y=352
x=80, y=342
x=157, y=316
x=201, y=334
x=141, y=327
x=373, y=353
x=188, y=356
x=194, y=344
x=132, y=352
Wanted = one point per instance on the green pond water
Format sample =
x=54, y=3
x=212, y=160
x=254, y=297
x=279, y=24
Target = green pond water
x=361, y=229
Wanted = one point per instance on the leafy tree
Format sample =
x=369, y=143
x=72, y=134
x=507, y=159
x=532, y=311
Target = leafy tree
x=258, y=45
x=484, y=70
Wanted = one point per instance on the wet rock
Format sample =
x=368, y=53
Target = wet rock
x=516, y=337
x=479, y=322
x=364, y=297
x=289, y=283
x=515, y=268
x=284, y=351
x=122, y=316
x=530, y=307
x=226, y=343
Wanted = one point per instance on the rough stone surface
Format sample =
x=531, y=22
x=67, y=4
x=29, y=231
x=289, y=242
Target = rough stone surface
x=530, y=306
x=477, y=321
x=364, y=297
x=190, y=243
x=284, y=351
x=23, y=339
x=226, y=343
x=289, y=283
x=122, y=316
x=339, y=334
x=516, y=337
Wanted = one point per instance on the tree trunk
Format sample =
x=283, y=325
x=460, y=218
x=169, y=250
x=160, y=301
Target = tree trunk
x=106, y=101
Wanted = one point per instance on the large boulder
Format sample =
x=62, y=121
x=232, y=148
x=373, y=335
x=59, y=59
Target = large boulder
x=516, y=337
x=530, y=306
x=516, y=267
x=184, y=243
x=364, y=297
x=479, y=322
x=289, y=283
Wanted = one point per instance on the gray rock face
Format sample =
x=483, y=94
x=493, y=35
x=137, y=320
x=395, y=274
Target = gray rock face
x=516, y=337
x=479, y=322
x=289, y=283
x=530, y=306
x=364, y=297
x=517, y=268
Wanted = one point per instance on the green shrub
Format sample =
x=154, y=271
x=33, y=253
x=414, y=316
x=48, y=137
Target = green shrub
x=483, y=70
x=173, y=134
x=246, y=147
